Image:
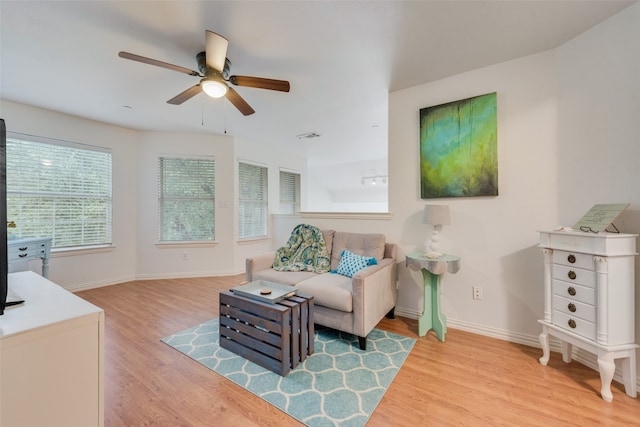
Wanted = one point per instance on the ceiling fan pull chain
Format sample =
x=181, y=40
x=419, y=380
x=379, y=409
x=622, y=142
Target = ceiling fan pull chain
x=224, y=114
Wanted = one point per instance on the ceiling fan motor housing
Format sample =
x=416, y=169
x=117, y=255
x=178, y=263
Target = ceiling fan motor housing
x=205, y=71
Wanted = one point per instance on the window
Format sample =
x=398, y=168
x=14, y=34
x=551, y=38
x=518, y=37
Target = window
x=187, y=199
x=289, y=192
x=252, y=201
x=59, y=189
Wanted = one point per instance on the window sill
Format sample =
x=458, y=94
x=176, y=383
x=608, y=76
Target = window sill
x=80, y=250
x=173, y=245
x=251, y=240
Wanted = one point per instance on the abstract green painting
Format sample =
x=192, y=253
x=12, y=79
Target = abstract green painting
x=459, y=148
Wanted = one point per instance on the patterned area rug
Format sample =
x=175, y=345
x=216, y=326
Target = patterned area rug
x=339, y=385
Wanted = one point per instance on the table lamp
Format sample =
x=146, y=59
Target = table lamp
x=436, y=215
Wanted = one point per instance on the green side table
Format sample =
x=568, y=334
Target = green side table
x=432, y=269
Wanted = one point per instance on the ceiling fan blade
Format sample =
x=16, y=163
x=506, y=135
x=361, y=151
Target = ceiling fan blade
x=144, y=60
x=235, y=98
x=186, y=95
x=216, y=50
x=261, y=83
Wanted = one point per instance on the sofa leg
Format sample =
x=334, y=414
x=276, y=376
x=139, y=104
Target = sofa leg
x=391, y=314
x=363, y=343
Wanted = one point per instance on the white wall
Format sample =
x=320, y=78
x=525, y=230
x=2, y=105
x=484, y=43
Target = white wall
x=494, y=236
x=89, y=269
x=263, y=154
x=599, y=125
x=157, y=261
x=568, y=138
x=338, y=188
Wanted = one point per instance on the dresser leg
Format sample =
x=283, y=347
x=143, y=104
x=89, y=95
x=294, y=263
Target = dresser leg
x=544, y=343
x=607, y=368
x=567, y=349
x=629, y=374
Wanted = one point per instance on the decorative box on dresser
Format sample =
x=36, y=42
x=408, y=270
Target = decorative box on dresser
x=589, y=300
x=51, y=357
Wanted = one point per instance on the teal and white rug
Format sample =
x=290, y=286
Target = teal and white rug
x=339, y=385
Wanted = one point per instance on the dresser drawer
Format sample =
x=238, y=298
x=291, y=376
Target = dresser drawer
x=574, y=292
x=15, y=254
x=573, y=259
x=575, y=324
x=574, y=275
x=571, y=307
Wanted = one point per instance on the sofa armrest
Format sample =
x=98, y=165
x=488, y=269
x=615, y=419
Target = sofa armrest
x=374, y=295
x=257, y=263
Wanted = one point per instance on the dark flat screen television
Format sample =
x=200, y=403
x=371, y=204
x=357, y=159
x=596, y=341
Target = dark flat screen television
x=4, y=266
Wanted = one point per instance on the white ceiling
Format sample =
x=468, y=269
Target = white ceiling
x=342, y=59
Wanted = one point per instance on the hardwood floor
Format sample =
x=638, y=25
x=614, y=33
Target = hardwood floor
x=470, y=380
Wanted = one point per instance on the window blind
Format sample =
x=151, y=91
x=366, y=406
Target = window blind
x=289, y=192
x=252, y=201
x=61, y=191
x=187, y=199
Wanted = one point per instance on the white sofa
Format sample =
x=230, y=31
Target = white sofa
x=354, y=305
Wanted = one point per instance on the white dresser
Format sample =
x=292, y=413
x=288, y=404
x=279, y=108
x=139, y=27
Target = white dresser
x=589, y=300
x=51, y=357
x=27, y=249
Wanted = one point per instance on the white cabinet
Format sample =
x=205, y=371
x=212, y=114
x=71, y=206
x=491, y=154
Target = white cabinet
x=27, y=249
x=51, y=357
x=589, y=300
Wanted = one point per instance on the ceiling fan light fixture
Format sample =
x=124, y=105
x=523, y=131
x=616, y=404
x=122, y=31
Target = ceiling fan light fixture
x=214, y=88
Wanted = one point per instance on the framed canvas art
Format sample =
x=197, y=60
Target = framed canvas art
x=459, y=148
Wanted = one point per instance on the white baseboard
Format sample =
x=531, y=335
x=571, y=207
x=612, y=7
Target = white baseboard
x=578, y=354
x=186, y=275
x=99, y=284
x=124, y=279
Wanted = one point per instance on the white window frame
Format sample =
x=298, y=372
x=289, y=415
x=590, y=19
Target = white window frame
x=253, y=196
x=202, y=175
x=289, y=191
x=46, y=198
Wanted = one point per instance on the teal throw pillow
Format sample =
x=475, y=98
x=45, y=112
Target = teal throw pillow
x=351, y=263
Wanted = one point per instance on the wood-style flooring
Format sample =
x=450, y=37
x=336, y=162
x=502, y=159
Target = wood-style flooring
x=469, y=380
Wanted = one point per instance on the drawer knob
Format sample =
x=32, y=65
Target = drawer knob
x=572, y=275
x=572, y=323
x=23, y=249
x=571, y=290
x=571, y=258
x=572, y=307
x=22, y=255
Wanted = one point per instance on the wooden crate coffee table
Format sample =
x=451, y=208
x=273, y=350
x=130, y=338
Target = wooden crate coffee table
x=275, y=336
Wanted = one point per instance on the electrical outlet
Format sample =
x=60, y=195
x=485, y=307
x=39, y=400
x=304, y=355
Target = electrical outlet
x=477, y=292
x=185, y=256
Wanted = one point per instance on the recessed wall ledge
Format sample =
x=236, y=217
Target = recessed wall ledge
x=344, y=215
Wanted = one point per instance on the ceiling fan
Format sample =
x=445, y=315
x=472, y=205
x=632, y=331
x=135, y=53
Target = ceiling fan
x=214, y=67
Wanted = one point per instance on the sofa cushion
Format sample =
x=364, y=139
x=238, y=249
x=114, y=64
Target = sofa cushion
x=366, y=244
x=351, y=263
x=285, y=277
x=327, y=235
x=329, y=290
